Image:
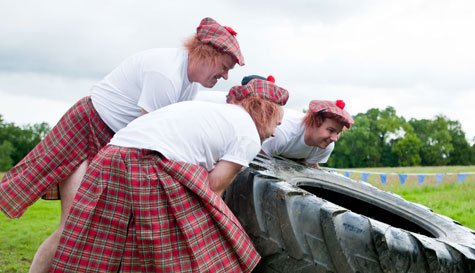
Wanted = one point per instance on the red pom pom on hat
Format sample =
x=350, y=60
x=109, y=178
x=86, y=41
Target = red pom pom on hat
x=234, y=33
x=340, y=104
x=271, y=78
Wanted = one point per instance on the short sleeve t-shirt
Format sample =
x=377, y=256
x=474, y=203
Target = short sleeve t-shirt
x=211, y=96
x=200, y=133
x=148, y=80
x=289, y=141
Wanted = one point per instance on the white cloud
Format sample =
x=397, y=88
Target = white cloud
x=50, y=87
x=23, y=109
x=415, y=55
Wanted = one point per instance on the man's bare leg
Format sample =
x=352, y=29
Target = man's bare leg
x=45, y=254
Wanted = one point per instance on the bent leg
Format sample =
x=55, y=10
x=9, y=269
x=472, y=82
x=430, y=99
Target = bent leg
x=68, y=189
x=79, y=135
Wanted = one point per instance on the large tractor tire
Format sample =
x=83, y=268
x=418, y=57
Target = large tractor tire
x=302, y=219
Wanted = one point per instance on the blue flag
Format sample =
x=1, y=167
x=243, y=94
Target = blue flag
x=438, y=177
x=461, y=177
x=347, y=173
x=420, y=178
x=364, y=176
x=402, y=178
x=383, y=178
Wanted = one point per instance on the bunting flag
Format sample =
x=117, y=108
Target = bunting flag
x=383, y=177
x=438, y=177
x=420, y=178
x=462, y=177
x=402, y=178
x=364, y=176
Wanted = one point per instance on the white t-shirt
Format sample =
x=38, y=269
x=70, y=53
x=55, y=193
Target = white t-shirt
x=289, y=141
x=195, y=132
x=211, y=96
x=147, y=80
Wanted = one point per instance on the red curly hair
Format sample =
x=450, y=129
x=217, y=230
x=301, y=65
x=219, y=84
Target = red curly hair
x=199, y=51
x=263, y=112
x=313, y=120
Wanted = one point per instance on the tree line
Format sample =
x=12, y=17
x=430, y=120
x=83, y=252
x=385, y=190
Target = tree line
x=18, y=141
x=379, y=138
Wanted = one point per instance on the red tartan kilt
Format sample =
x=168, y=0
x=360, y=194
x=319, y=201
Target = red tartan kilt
x=78, y=136
x=137, y=211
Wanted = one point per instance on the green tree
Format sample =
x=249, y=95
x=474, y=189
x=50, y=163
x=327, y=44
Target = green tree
x=6, y=161
x=461, y=153
x=436, y=139
x=368, y=143
x=23, y=139
x=407, y=150
x=381, y=138
x=352, y=150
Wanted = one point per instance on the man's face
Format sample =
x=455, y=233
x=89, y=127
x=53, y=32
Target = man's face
x=211, y=73
x=269, y=129
x=328, y=132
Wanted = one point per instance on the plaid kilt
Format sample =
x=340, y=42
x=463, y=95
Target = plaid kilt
x=136, y=211
x=78, y=136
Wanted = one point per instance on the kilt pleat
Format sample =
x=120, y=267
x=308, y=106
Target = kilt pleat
x=136, y=211
x=79, y=135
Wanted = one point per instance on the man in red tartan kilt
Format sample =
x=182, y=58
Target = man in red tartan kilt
x=144, y=82
x=150, y=200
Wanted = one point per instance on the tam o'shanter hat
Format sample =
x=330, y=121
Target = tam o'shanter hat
x=221, y=37
x=265, y=89
x=247, y=79
x=332, y=109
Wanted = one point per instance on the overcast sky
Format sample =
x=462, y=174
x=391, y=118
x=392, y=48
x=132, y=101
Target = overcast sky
x=415, y=55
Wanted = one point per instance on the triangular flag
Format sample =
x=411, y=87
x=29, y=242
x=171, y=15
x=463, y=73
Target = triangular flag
x=383, y=177
x=402, y=178
x=364, y=176
x=462, y=177
x=420, y=178
x=438, y=177
x=347, y=173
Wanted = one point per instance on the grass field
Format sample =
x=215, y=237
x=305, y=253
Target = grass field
x=19, y=238
x=450, y=198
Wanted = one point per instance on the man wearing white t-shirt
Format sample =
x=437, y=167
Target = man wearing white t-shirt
x=309, y=137
x=150, y=201
x=143, y=83
x=306, y=137
x=289, y=141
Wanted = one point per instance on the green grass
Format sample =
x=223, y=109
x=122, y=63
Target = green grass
x=19, y=238
x=449, y=198
x=453, y=200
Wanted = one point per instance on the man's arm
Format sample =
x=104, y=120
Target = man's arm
x=223, y=175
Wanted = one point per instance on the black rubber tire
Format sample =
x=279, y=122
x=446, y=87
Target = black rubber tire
x=351, y=227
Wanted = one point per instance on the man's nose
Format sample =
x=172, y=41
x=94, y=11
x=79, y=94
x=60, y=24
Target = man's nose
x=225, y=75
